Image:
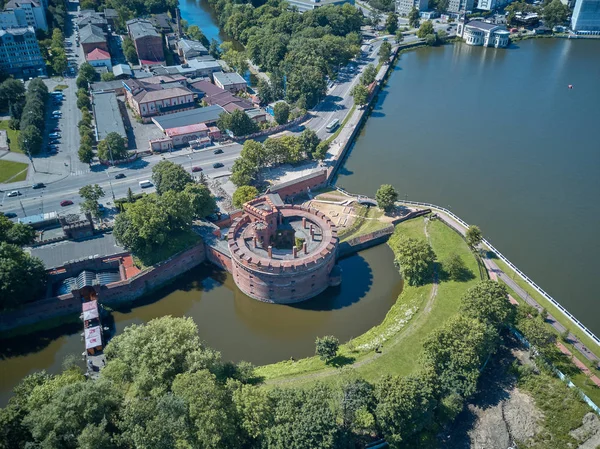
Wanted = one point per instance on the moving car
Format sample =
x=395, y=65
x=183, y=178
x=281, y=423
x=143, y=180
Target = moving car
x=145, y=184
x=38, y=185
x=14, y=193
x=120, y=176
x=217, y=165
x=66, y=203
x=10, y=214
x=195, y=169
x=219, y=151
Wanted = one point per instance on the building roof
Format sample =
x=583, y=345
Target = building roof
x=207, y=87
x=12, y=4
x=107, y=114
x=228, y=101
x=122, y=70
x=481, y=25
x=17, y=31
x=110, y=13
x=161, y=20
x=91, y=34
x=88, y=17
x=229, y=78
x=106, y=86
x=147, y=95
x=141, y=28
x=275, y=188
x=191, y=117
x=188, y=129
x=188, y=45
x=97, y=54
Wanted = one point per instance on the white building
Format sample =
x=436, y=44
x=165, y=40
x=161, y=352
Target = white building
x=490, y=5
x=232, y=82
x=403, y=7
x=586, y=17
x=483, y=33
x=24, y=13
x=99, y=58
x=20, y=53
x=459, y=6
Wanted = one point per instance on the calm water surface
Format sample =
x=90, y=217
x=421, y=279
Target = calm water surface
x=231, y=322
x=496, y=136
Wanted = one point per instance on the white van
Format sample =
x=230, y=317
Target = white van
x=145, y=184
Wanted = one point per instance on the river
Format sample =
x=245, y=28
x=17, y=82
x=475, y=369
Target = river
x=497, y=136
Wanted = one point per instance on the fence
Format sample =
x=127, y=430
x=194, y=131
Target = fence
x=523, y=276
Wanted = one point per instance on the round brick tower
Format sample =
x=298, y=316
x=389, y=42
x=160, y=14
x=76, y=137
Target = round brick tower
x=282, y=253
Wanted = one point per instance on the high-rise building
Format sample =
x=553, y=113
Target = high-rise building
x=586, y=16
x=459, y=6
x=403, y=7
x=24, y=13
x=490, y=5
x=20, y=53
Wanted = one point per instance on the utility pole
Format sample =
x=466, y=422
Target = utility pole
x=22, y=208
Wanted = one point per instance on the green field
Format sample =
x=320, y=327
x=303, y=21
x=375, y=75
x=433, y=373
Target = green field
x=401, y=334
x=12, y=137
x=12, y=171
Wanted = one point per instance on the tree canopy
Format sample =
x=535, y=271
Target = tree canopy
x=237, y=122
x=327, y=347
x=473, y=236
x=244, y=194
x=415, y=257
x=281, y=112
x=17, y=233
x=555, y=13
x=488, y=302
x=169, y=176
x=91, y=194
x=22, y=277
x=425, y=29
x=386, y=197
x=112, y=147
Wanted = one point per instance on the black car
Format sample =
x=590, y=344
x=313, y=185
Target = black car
x=217, y=165
x=219, y=151
x=10, y=214
x=39, y=185
x=120, y=176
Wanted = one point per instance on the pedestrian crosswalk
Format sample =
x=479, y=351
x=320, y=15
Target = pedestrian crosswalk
x=80, y=172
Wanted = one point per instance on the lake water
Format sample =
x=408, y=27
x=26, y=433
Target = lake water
x=496, y=136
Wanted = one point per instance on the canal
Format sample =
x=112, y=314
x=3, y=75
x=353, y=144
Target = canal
x=229, y=321
x=497, y=136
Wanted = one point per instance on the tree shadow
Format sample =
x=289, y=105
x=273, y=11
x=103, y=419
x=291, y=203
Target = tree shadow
x=35, y=342
x=463, y=275
x=341, y=360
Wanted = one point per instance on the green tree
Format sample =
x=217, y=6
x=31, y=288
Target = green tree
x=555, y=13
x=327, y=347
x=431, y=40
x=425, y=29
x=281, y=112
x=488, y=302
x=391, y=24
x=306, y=85
x=474, y=237
x=243, y=172
x=95, y=436
x=386, y=197
x=357, y=406
x=254, y=408
x=108, y=76
x=414, y=257
x=112, y=148
x=455, y=268
x=244, y=194
x=214, y=49
x=59, y=60
x=12, y=91
x=83, y=100
x=399, y=37
x=86, y=154
x=441, y=37
x=369, y=75
x=20, y=234
x=87, y=72
x=385, y=51
x=237, y=122
x=360, y=94
x=30, y=140
x=536, y=332
x=321, y=151
x=196, y=34
x=413, y=17
x=169, y=176
x=22, y=277
x=200, y=200
x=91, y=194
x=129, y=51
x=309, y=141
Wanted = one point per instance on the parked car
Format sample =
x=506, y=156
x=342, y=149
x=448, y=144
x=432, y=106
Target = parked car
x=57, y=112
x=219, y=151
x=66, y=203
x=14, y=193
x=10, y=214
x=38, y=185
x=120, y=176
x=195, y=169
x=55, y=130
x=53, y=146
x=217, y=165
x=54, y=135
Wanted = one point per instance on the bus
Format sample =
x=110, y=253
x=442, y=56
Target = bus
x=333, y=125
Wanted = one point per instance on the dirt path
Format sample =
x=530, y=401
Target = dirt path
x=402, y=334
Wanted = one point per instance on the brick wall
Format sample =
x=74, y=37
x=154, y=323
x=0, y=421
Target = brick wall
x=300, y=187
x=219, y=259
x=150, y=48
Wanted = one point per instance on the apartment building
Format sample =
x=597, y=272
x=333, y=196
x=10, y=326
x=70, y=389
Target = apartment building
x=20, y=53
x=24, y=13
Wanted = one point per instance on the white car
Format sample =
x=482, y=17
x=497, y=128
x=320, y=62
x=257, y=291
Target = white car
x=14, y=193
x=57, y=112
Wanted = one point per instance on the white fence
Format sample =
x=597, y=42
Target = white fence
x=505, y=260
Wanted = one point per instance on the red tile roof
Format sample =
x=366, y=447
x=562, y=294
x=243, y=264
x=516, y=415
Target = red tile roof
x=97, y=54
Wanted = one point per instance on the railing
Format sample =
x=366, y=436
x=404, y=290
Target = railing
x=536, y=287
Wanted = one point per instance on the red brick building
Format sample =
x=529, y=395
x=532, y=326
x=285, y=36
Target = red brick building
x=148, y=42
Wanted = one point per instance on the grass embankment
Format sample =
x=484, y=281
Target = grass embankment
x=177, y=242
x=401, y=334
x=12, y=171
x=13, y=137
x=367, y=221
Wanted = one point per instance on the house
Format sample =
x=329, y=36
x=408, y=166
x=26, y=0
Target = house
x=107, y=115
x=189, y=49
x=148, y=42
x=181, y=128
x=91, y=17
x=24, y=13
x=161, y=22
x=486, y=34
x=108, y=86
x=150, y=97
x=203, y=66
x=98, y=57
x=232, y=82
x=208, y=116
x=228, y=101
x=122, y=71
x=92, y=37
x=20, y=53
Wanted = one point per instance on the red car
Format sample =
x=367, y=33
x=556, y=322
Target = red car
x=195, y=169
x=66, y=203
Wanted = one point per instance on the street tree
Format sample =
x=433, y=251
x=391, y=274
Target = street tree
x=425, y=29
x=30, y=140
x=474, y=237
x=555, y=13
x=385, y=51
x=327, y=347
x=360, y=94
x=488, y=302
x=167, y=175
x=85, y=153
x=244, y=194
x=112, y=148
x=309, y=141
x=399, y=37
x=22, y=277
x=200, y=200
x=237, y=122
x=415, y=258
x=368, y=75
x=413, y=17
x=91, y=194
x=87, y=72
x=391, y=24
x=281, y=112
x=386, y=197
x=243, y=172
x=321, y=152
x=376, y=17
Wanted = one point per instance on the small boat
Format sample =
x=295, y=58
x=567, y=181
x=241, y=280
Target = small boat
x=570, y=86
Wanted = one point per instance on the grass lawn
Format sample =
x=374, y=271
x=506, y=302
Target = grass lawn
x=405, y=326
x=12, y=137
x=12, y=171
